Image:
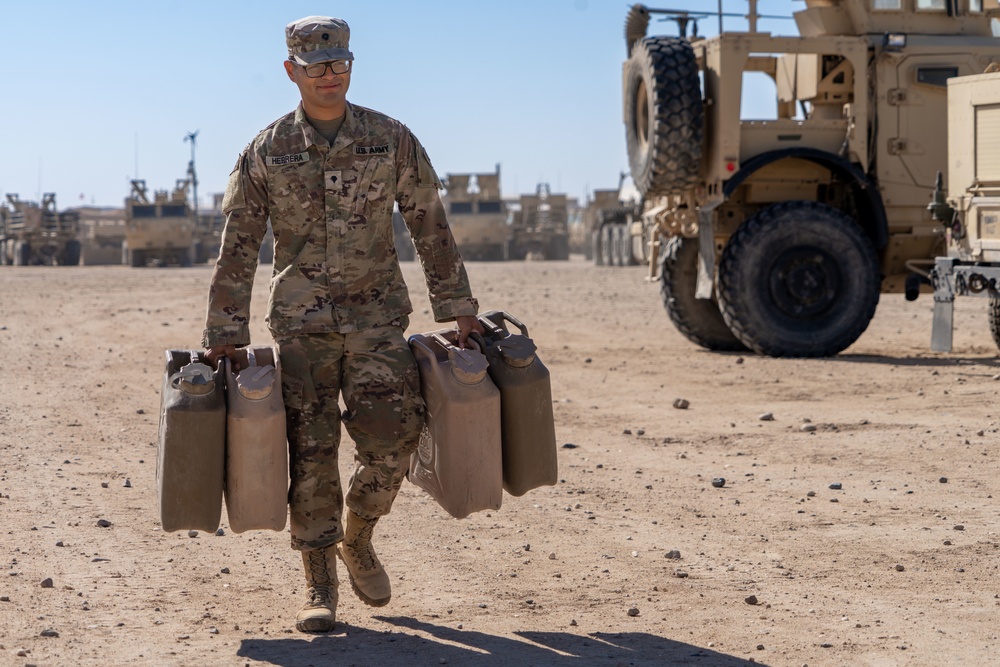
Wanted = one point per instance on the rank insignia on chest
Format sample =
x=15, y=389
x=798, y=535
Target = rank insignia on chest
x=279, y=160
x=372, y=150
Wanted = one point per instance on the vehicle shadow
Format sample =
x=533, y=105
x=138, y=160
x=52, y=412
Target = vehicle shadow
x=350, y=645
x=984, y=362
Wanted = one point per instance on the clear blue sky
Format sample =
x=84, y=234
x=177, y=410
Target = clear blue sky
x=96, y=93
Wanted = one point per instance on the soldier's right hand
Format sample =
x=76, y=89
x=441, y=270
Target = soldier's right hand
x=216, y=352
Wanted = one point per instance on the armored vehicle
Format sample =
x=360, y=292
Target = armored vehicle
x=540, y=229
x=33, y=234
x=970, y=206
x=780, y=234
x=160, y=231
x=477, y=215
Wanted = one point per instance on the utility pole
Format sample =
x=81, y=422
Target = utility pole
x=192, y=136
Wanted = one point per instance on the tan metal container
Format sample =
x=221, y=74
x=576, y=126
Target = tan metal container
x=527, y=424
x=458, y=461
x=191, y=457
x=256, y=488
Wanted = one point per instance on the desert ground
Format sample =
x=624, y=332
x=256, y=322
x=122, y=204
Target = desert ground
x=857, y=524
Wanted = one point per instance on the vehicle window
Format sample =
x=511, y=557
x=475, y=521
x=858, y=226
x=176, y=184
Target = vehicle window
x=933, y=5
x=936, y=76
x=976, y=6
x=173, y=211
x=489, y=207
x=143, y=211
x=461, y=207
x=888, y=4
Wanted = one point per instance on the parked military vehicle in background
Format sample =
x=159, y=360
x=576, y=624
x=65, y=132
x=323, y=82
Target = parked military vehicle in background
x=970, y=207
x=33, y=234
x=477, y=215
x=102, y=233
x=539, y=229
x=607, y=218
x=780, y=234
x=160, y=231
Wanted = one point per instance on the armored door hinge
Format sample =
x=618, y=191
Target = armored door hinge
x=896, y=96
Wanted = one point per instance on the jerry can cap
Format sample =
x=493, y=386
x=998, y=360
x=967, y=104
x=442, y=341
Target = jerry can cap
x=467, y=366
x=194, y=378
x=256, y=382
x=517, y=351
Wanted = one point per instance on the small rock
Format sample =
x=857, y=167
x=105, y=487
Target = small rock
x=104, y=485
x=213, y=631
x=760, y=647
x=808, y=428
x=220, y=532
x=4, y=598
x=60, y=543
x=573, y=622
x=767, y=417
x=140, y=411
x=811, y=494
x=47, y=582
x=682, y=403
x=588, y=360
x=899, y=567
x=568, y=445
x=673, y=554
x=49, y=632
x=959, y=527
x=224, y=570
x=127, y=484
x=552, y=556
x=627, y=431
x=739, y=360
x=718, y=482
x=21, y=653
x=680, y=574
x=633, y=611
x=103, y=523
x=640, y=431
x=947, y=543
x=750, y=599
x=192, y=533
x=836, y=486
x=943, y=480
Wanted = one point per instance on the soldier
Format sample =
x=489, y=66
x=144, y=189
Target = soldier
x=327, y=175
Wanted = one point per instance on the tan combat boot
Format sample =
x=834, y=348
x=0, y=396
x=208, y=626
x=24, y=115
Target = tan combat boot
x=320, y=612
x=368, y=578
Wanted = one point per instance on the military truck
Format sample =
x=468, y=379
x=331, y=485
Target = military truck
x=970, y=206
x=160, y=231
x=779, y=235
x=539, y=229
x=607, y=218
x=477, y=215
x=33, y=234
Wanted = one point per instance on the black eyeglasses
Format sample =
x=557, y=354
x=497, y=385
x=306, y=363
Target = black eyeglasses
x=316, y=70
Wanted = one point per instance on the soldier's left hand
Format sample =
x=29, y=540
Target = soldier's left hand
x=466, y=325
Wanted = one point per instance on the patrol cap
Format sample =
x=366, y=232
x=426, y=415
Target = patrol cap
x=316, y=39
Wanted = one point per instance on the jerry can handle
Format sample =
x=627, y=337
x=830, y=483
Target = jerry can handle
x=478, y=339
x=251, y=357
x=493, y=327
x=421, y=344
x=516, y=322
x=445, y=344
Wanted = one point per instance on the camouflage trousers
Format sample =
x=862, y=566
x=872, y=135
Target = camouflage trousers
x=376, y=373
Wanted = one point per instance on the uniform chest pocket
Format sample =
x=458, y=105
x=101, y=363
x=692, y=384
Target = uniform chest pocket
x=376, y=187
x=293, y=191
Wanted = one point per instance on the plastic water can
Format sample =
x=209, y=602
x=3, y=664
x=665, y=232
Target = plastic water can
x=527, y=423
x=458, y=461
x=256, y=488
x=191, y=454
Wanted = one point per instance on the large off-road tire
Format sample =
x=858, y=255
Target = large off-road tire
x=995, y=319
x=608, y=253
x=664, y=116
x=698, y=320
x=624, y=245
x=3, y=253
x=71, y=253
x=596, y=247
x=798, y=279
x=22, y=253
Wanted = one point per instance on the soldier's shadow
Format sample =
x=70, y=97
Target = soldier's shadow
x=350, y=645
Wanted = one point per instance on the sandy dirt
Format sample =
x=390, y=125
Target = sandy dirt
x=897, y=566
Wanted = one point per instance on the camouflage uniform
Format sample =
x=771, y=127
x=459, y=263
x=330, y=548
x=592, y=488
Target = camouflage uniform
x=338, y=303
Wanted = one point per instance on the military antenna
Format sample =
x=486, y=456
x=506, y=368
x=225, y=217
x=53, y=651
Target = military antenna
x=192, y=137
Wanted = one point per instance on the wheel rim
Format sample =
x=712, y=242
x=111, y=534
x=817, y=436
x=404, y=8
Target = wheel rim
x=805, y=282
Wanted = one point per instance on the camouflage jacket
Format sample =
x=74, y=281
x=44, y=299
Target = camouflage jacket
x=335, y=264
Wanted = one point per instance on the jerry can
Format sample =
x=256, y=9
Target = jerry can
x=191, y=455
x=458, y=460
x=527, y=424
x=256, y=488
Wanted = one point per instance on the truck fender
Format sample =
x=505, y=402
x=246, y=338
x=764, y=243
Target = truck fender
x=871, y=209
